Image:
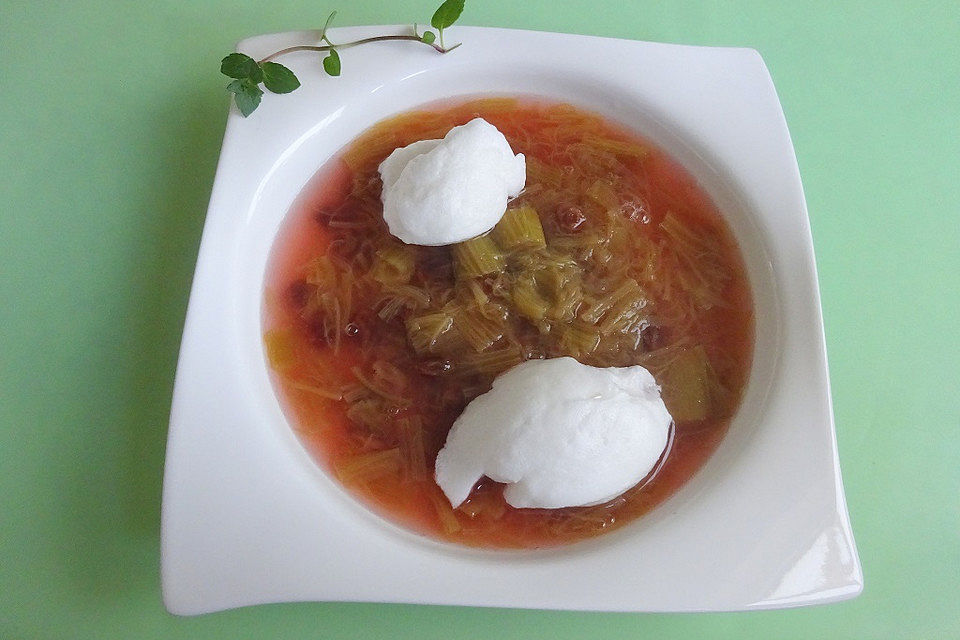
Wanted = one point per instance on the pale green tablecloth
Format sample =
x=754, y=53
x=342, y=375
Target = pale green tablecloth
x=111, y=115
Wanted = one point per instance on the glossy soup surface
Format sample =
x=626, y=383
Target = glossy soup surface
x=377, y=346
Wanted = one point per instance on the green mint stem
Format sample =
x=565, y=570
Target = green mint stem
x=306, y=47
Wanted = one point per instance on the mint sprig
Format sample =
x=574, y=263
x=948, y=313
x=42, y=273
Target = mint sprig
x=248, y=74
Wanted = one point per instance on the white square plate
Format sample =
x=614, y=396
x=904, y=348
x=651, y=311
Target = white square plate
x=249, y=518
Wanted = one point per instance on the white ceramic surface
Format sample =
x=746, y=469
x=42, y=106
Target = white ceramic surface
x=249, y=518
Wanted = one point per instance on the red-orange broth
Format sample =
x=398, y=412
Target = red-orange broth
x=343, y=300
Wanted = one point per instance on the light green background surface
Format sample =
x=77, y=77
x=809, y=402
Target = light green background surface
x=111, y=116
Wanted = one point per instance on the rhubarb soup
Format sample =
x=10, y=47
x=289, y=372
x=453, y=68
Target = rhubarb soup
x=612, y=254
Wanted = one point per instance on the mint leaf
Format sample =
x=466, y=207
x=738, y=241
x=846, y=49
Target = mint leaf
x=241, y=66
x=447, y=14
x=246, y=95
x=331, y=64
x=235, y=87
x=326, y=25
x=428, y=37
x=278, y=78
